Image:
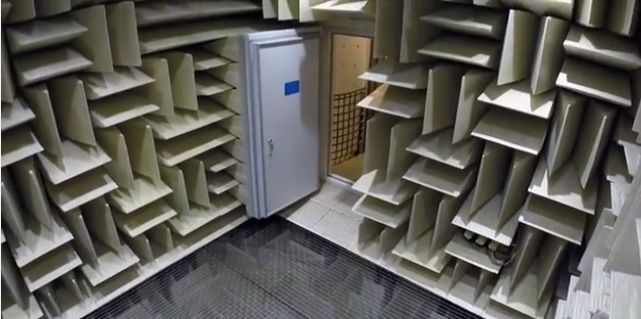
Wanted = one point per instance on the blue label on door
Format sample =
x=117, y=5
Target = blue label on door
x=292, y=87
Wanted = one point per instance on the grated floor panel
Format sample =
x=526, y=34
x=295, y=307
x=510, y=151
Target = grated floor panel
x=275, y=269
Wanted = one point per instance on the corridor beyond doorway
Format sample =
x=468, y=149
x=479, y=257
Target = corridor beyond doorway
x=351, y=56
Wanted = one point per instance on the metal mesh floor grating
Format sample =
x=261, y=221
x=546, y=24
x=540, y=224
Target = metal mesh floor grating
x=275, y=269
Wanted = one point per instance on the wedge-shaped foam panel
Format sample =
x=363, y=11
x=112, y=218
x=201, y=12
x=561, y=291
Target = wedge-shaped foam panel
x=382, y=212
x=558, y=8
x=38, y=34
x=564, y=187
x=401, y=136
x=192, y=144
x=440, y=106
x=183, y=82
x=526, y=287
x=206, y=60
x=77, y=160
x=40, y=230
x=603, y=48
x=182, y=122
x=123, y=35
x=376, y=240
x=159, y=91
x=228, y=47
x=438, y=147
x=163, y=38
x=413, y=34
x=20, y=143
x=114, y=144
x=548, y=56
x=239, y=173
x=8, y=89
x=469, y=20
x=288, y=10
x=120, y=108
x=218, y=160
x=15, y=114
x=20, y=11
x=410, y=76
x=80, y=190
x=612, y=86
x=488, y=3
x=362, y=8
x=143, y=219
x=101, y=261
x=236, y=148
x=416, y=245
x=19, y=302
x=104, y=84
x=470, y=109
x=485, y=220
x=512, y=129
x=444, y=230
x=517, y=97
x=467, y=251
x=230, y=74
x=232, y=99
x=491, y=175
x=50, y=267
x=388, y=162
x=615, y=169
x=443, y=178
x=305, y=11
x=395, y=101
x=464, y=49
x=235, y=125
x=624, y=136
x=497, y=219
x=94, y=44
x=46, y=8
x=190, y=189
x=394, y=192
x=199, y=217
x=196, y=182
x=142, y=192
x=135, y=166
x=519, y=175
x=207, y=85
x=43, y=65
x=69, y=104
x=387, y=29
x=564, y=128
x=148, y=14
x=591, y=13
x=597, y=123
x=219, y=183
x=545, y=215
x=623, y=16
x=518, y=47
x=45, y=123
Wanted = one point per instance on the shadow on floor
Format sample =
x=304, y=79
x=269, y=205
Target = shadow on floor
x=274, y=269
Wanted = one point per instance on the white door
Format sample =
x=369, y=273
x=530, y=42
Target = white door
x=289, y=93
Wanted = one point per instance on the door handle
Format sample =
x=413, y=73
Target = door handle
x=270, y=142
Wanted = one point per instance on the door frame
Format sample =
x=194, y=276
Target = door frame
x=254, y=148
x=360, y=29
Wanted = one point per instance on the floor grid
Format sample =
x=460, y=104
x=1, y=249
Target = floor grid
x=275, y=269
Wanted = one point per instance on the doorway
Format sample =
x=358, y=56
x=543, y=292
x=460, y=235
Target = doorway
x=351, y=56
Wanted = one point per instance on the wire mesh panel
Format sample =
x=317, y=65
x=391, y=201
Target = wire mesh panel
x=274, y=269
x=348, y=126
